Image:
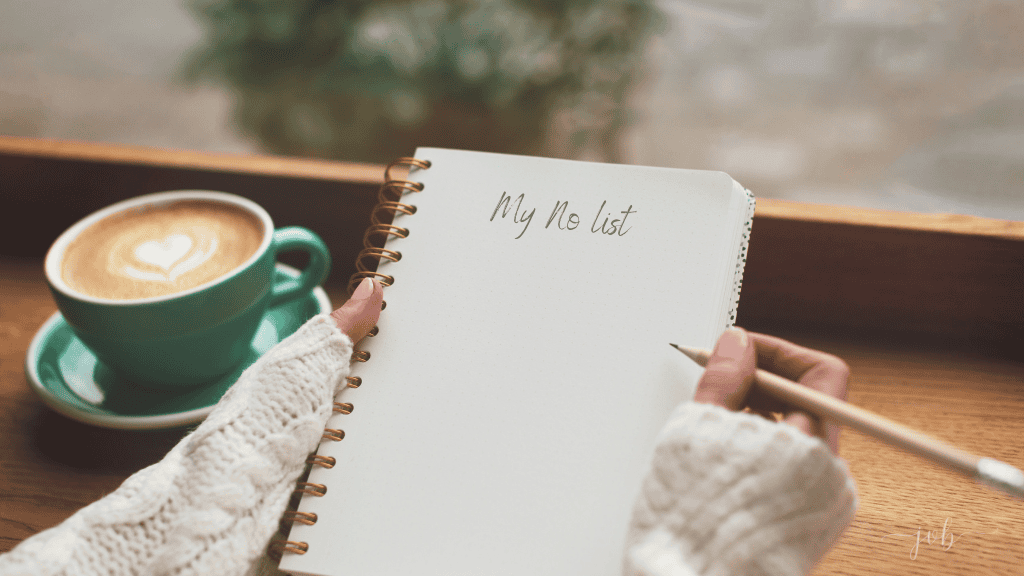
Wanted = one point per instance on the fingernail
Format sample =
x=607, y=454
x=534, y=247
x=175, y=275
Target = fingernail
x=732, y=344
x=364, y=290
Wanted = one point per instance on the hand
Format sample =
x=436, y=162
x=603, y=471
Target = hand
x=358, y=316
x=728, y=378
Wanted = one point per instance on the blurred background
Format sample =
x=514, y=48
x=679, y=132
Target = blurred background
x=903, y=105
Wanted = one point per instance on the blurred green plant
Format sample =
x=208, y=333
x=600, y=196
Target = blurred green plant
x=362, y=80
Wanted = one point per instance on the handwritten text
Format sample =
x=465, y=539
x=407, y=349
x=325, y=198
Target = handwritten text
x=561, y=218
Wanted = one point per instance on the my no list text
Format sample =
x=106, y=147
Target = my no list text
x=561, y=217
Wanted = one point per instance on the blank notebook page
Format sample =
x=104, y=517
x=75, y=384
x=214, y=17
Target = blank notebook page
x=522, y=370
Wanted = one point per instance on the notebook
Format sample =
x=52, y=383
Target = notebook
x=521, y=372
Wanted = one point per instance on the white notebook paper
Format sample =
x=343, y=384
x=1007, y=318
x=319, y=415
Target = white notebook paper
x=522, y=367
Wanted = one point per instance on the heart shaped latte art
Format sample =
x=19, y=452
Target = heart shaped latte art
x=164, y=253
x=176, y=254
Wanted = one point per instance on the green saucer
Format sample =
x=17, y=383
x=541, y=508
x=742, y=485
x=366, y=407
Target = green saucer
x=68, y=378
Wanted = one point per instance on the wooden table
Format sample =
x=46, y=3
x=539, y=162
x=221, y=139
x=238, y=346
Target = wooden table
x=928, y=310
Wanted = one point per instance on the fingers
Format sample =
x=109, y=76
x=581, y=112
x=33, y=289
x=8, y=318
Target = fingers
x=728, y=378
x=812, y=368
x=797, y=362
x=730, y=371
x=358, y=316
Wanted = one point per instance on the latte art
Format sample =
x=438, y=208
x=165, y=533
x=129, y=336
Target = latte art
x=169, y=253
x=159, y=250
x=165, y=260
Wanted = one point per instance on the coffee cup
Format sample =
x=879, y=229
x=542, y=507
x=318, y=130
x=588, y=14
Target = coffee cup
x=168, y=289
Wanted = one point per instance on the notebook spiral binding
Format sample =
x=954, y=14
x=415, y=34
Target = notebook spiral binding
x=389, y=203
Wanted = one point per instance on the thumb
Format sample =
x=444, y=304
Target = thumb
x=358, y=316
x=730, y=371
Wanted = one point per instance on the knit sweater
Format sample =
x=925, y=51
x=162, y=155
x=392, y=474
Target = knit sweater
x=727, y=493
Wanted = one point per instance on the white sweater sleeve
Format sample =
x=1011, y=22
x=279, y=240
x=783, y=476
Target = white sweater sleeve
x=213, y=503
x=732, y=493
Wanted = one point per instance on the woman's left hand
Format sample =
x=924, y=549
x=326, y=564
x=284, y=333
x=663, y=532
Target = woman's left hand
x=358, y=316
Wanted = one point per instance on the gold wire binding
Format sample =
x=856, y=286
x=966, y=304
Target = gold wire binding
x=379, y=254
x=406, y=161
x=392, y=208
x=393, y=190
x=322, y=461
x=277, y=547
x=386, y=229
x=377, y=227
x=358, y=276
x=384, y=279
x=365, y=272
x=368, y=241
x=362, y=267
x=373, y=331
x=395, y=207
x=310, y=488
x=333, y=434
x=400, y=185
x=307, y=518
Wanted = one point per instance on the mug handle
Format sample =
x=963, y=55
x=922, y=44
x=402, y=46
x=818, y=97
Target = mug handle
x=298, y=238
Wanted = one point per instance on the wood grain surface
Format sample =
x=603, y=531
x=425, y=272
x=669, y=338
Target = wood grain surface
x=263, y=165
x=50, y=466
x=972, y=400
x=928, y=310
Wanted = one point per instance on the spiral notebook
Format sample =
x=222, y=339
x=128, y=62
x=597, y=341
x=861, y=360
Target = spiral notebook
x=501, y=419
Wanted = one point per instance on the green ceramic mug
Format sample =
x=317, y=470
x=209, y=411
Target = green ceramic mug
x=168, y=289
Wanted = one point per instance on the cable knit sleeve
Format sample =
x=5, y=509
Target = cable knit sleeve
x=732, y=493
x=213, y=503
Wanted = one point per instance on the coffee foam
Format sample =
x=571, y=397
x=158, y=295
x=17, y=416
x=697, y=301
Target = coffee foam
x=160, y=249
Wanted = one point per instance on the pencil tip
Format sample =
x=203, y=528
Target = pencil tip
x=676, y=346
x=692, y=353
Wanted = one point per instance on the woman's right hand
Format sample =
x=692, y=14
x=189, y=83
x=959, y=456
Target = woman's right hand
x=728, y=379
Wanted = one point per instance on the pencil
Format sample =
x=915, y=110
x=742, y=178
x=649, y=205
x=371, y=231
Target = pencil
x=988, y=471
